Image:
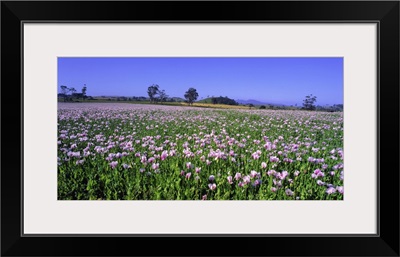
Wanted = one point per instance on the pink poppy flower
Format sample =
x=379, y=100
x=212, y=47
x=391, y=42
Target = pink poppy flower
x=113, y=164
x=263, y=165
x=155, y=166
x=289, y=192
x=330, y=190
x=164, y=155
x=283, y=175
x=238, y=176
x=246, y=179
x=274, y=159
x=212, y=186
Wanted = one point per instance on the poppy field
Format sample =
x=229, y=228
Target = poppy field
x=126, y=151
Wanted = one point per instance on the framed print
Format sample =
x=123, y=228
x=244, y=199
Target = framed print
x=155, y=123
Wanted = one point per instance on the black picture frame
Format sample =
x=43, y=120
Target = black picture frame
x=384, y=13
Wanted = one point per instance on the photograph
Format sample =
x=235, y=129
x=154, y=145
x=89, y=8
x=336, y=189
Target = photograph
x=200, y=128
x=134, y=123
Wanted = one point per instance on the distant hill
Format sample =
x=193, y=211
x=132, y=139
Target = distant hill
x=255, y=102
x=177, y=99
x=250, y=101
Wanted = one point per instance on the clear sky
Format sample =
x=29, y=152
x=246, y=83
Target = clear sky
x=270, y=80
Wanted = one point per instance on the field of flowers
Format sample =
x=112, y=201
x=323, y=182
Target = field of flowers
x=150, y=152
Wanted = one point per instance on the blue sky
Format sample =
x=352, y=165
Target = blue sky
x=271, y=80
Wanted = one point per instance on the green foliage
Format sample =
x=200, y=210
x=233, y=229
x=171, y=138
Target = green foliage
x=221, y=100
x=95, y=179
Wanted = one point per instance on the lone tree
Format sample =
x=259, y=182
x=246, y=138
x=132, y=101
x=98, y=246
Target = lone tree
x=84, y=91
x=191, y=95
x=152, y=91
x=309, y=102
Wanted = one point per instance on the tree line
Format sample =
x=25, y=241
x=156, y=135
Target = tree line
x=156, y=94
x=68, y=93
x=309, y=104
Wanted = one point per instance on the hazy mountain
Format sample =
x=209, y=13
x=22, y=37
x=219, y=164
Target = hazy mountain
x=250, y=101
x=256, y=102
